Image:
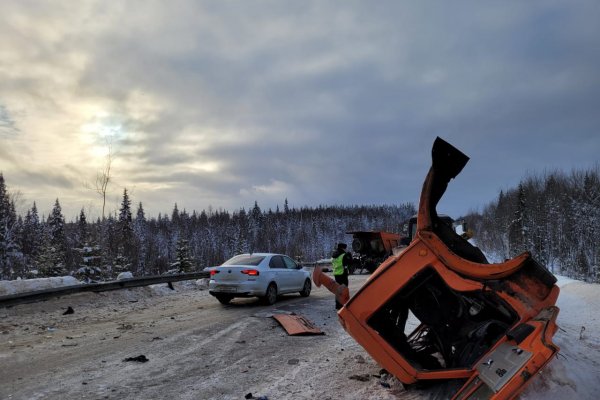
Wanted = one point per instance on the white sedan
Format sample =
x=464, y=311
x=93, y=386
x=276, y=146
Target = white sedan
x=263, y=275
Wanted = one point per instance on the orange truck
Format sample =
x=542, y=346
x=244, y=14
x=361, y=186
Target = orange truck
x=440, y=311
x=371, y=248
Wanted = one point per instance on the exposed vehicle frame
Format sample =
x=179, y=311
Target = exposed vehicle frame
x=411, y=226
x=485, y=327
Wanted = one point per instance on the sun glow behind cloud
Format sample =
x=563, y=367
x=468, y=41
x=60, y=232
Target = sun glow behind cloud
x=224, y=103
x=101, y=132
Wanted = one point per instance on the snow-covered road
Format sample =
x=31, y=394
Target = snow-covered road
x=198, y=349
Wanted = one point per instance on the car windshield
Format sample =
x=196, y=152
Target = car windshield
x=244, y=259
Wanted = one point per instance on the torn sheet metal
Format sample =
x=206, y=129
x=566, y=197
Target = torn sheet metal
x=297, y=325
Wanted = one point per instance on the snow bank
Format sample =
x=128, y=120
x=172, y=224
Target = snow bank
x=562, y=281
x=124, y=275
x=575, y=372
x=164, y=289
x=30, y=285
x=202, y=283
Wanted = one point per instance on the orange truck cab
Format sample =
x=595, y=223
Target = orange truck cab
x=439, y=311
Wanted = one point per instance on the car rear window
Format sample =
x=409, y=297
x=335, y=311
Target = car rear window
x=244, y=259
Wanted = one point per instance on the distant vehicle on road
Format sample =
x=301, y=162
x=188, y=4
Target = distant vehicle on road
x=263, y=275
x=371, y=248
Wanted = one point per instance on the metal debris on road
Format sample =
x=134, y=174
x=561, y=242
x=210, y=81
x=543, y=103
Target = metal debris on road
x=297, y=325
x=141, y=358
x=361, y=378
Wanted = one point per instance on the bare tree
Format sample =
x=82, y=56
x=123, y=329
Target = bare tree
x=103, y=177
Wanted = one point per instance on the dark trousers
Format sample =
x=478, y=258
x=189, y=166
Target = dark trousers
x=342, y=280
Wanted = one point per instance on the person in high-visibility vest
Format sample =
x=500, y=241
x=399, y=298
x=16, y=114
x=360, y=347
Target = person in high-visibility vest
x=341, y=261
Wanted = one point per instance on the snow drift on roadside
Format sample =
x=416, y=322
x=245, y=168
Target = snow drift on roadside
x=30, y=285
x=575, y=372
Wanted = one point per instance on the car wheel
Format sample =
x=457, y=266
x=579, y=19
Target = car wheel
x=224, y=298
x=305, y=292
x=271, y=294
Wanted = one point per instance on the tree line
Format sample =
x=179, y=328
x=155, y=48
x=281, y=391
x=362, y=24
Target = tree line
x=554, y=215
x=34, y=246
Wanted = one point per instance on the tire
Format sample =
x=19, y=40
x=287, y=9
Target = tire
x=271, y=294
x=358, y=245
x=224, y=298
x=305, y=292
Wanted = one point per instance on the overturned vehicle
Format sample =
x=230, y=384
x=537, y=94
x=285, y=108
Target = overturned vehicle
x=440, y=311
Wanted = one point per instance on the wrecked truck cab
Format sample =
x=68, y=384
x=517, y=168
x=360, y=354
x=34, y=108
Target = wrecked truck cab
x=440, y=311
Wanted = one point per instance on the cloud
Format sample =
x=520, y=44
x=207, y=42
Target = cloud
x=219, y=102
x=55, y=180
x=7, y=123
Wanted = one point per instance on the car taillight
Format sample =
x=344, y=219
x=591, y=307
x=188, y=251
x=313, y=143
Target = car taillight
x=250, y=272
x=213, y=272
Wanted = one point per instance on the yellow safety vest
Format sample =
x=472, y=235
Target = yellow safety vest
x=338, y=264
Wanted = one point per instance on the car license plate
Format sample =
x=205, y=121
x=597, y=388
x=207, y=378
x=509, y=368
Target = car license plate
x=223, y=288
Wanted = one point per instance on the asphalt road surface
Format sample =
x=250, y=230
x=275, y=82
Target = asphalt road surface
x=196, y=349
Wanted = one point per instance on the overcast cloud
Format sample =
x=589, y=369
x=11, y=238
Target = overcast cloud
x=222, y=103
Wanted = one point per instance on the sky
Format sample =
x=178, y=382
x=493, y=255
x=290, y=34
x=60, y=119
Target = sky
x=218, y=104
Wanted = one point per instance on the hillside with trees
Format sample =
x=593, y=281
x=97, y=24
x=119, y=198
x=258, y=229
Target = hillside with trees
x=556, y=216
x=32, y=246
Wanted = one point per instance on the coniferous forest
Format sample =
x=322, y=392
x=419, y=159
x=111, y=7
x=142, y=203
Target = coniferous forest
x=129, y=240
x=556, y=216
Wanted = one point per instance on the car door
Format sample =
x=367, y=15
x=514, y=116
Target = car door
x=296, y=275
x=281, y=273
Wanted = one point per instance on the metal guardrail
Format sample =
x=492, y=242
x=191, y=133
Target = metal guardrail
x=44, y=294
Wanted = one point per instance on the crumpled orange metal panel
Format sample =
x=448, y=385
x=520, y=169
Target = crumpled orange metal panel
x=296, y=325
x=439, y=310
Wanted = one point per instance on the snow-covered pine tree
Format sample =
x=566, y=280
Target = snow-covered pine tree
x=242, y=234
x=175, y=216
x=6, y=225
x=82, y=229
x=52, y=260
x=110, y=237
x=12, y=262
x=56, y=226
x=183, y=263
x=126, y=242
x=141, y=236
x=18, y=259
x=32, y=234
x=256, y=226
x=88, y=264
x=518, y=227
